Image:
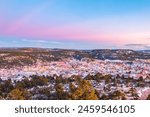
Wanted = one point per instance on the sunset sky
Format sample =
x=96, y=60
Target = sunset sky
x=75, y=24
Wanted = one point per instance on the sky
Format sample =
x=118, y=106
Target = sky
x=75, y=24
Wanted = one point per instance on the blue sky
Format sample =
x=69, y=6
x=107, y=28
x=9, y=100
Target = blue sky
x=76, y=24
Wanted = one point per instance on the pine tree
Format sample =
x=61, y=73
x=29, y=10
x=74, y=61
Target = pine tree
x=18, y=94
x=148, y=98
x=84, y=91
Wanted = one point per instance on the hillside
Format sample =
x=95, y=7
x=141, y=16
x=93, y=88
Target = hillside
x=10, y=57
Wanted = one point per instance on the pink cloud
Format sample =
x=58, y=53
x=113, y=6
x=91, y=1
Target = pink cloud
x=23, y=29
x=60, y=33
x=68, y=33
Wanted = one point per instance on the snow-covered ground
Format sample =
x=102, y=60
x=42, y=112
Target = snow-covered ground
x=69, y=67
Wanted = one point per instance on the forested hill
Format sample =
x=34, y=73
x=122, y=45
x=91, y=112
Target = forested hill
x=10, y=57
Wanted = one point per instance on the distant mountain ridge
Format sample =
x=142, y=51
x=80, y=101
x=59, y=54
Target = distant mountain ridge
x=148, y=51
x=10, y=57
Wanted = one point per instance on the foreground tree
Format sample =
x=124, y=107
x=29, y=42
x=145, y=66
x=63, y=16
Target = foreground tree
x=60, y=92
x=148, y=98
x=18, y=94
x=84, y=91
x=117, y=95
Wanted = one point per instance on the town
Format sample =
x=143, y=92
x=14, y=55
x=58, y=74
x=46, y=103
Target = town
x=112, y=79
x=69, y=67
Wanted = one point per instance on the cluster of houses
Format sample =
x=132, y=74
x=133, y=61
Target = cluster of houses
x=69, y=67
x=72, y=67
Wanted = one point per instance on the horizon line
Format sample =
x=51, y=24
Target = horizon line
x=73, y=48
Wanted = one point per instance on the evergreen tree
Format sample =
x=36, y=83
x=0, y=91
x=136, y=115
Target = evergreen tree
x=148, y=98
x=84, y=91
x=18, y=94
